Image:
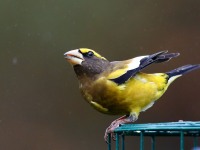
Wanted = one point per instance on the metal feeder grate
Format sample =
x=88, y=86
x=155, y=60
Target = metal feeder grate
x=181, y=129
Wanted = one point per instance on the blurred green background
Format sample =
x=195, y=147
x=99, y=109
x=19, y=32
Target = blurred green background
x=40, y=105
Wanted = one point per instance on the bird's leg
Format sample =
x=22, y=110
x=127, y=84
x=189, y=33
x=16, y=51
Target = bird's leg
x=116, y=123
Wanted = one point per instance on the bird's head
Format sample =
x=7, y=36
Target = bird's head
x=78, y=56
x=86, y=61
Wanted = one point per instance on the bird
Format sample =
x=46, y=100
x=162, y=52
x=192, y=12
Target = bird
x=121, y=87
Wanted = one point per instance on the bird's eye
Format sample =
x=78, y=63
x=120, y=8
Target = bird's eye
x=90, y=54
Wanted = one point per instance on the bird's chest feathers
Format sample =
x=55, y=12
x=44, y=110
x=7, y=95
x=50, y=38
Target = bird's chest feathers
x=103, y=95
x=94, y=93
x=108, y=97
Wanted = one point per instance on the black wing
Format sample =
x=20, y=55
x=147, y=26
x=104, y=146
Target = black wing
x=144, y=62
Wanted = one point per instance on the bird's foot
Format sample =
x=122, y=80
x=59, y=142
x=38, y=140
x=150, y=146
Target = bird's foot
x=116, y=123
x=111, y=128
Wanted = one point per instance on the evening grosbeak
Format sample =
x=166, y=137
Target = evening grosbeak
x=119, y=87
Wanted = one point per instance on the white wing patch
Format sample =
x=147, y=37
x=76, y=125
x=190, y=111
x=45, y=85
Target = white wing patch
x=135, y=62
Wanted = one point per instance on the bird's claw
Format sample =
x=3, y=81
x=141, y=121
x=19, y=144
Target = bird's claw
x=116, y=123
x=111, y=135
x=108, y=135
x=110, y=130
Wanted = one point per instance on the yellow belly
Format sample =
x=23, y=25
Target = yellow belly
x=132, y=97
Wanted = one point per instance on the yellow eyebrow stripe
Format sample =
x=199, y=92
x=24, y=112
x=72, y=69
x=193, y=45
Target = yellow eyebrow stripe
x=86, y=50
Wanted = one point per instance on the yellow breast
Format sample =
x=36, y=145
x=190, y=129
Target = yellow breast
x=133, y=96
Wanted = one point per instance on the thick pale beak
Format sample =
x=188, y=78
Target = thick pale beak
x=74, y=57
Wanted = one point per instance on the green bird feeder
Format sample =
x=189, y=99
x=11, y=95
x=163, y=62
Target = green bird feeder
x=179, y=129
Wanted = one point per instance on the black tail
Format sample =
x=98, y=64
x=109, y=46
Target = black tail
x=182, y=70
x=157, y=58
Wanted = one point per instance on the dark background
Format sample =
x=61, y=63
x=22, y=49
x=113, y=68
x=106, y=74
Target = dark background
x=40, y=105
